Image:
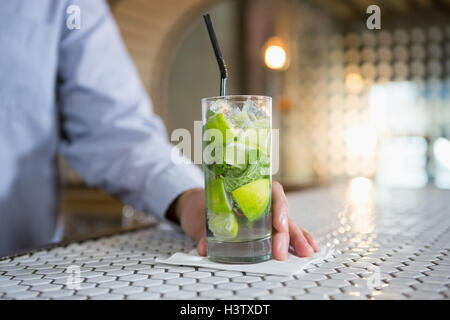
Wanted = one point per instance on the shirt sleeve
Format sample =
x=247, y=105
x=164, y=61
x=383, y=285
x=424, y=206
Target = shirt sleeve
x=111, y=136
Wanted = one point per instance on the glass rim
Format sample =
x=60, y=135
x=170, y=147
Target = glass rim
x=237, y=96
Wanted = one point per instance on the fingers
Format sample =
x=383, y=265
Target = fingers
x=299, y=242
x=202, y=246
x=280, y=209
x=280, y=212
x=286, y=230
x=309, y=238
x=280, y=245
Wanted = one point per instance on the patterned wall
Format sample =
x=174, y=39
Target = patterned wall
x=353, y=93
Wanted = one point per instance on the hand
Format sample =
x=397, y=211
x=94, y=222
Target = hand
x=285, y=231
x=190, y=212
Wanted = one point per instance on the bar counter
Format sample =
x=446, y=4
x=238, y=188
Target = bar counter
x=389, y=244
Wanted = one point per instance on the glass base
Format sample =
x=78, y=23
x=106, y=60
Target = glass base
x=240, y=252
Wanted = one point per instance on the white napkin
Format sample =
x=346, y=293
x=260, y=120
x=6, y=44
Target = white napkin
x=293, y=265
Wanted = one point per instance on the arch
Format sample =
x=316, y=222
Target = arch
x=151, y=31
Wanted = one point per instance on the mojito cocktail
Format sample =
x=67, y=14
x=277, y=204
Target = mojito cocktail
x=237, y=166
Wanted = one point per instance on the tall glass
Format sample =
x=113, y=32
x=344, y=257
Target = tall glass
x=237, y=137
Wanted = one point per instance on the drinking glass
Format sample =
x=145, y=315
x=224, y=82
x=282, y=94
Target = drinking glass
x=237, y=138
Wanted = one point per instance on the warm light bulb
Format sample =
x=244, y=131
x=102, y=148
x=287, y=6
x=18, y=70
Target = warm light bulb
x=275, y=57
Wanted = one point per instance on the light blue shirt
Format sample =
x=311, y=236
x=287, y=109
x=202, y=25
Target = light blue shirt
x=78, y=92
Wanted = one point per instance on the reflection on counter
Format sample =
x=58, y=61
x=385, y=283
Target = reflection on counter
x=360, y=197
x=88, y=212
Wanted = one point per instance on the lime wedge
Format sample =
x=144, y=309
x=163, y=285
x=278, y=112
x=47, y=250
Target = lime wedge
x=216, y=198
x=219, y=122
x=224, y=226
x=253, y=198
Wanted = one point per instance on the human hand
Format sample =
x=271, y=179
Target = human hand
x=190, y=212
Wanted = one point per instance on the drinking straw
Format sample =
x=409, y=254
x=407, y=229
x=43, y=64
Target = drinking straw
x=220, y=61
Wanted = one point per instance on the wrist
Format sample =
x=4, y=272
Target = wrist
x=175, y=210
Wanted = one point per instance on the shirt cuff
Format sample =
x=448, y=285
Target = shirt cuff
x=169, y=184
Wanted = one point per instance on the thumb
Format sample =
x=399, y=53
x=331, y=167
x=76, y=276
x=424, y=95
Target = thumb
x=202, y=246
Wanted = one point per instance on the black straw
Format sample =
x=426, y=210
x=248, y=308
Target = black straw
x=220, y=61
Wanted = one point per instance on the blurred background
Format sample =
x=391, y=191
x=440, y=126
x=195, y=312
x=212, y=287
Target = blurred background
x=351, y=103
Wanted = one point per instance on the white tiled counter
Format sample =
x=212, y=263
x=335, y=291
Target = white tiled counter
x=397, y=241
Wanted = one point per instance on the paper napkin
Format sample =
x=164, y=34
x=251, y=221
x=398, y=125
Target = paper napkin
x=293, y=265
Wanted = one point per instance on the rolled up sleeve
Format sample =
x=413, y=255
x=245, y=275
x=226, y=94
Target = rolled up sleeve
x=111, y=136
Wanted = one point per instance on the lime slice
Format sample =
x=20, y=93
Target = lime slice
x=219, y=122
x=224, y=226
x=253, y=198
x=216, y=197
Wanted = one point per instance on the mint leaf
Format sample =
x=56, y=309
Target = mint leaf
x=235, y=178
x=217, y=169
x=257, y=168
x=241, y=120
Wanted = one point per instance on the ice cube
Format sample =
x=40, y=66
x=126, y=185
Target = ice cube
x=224, y=107
x=252, y=108
x=235, y=109
x=241, y=120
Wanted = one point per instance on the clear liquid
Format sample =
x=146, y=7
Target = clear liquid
x=252, y=251
x=247, y=231
x=238, y=180
x=252, y=244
